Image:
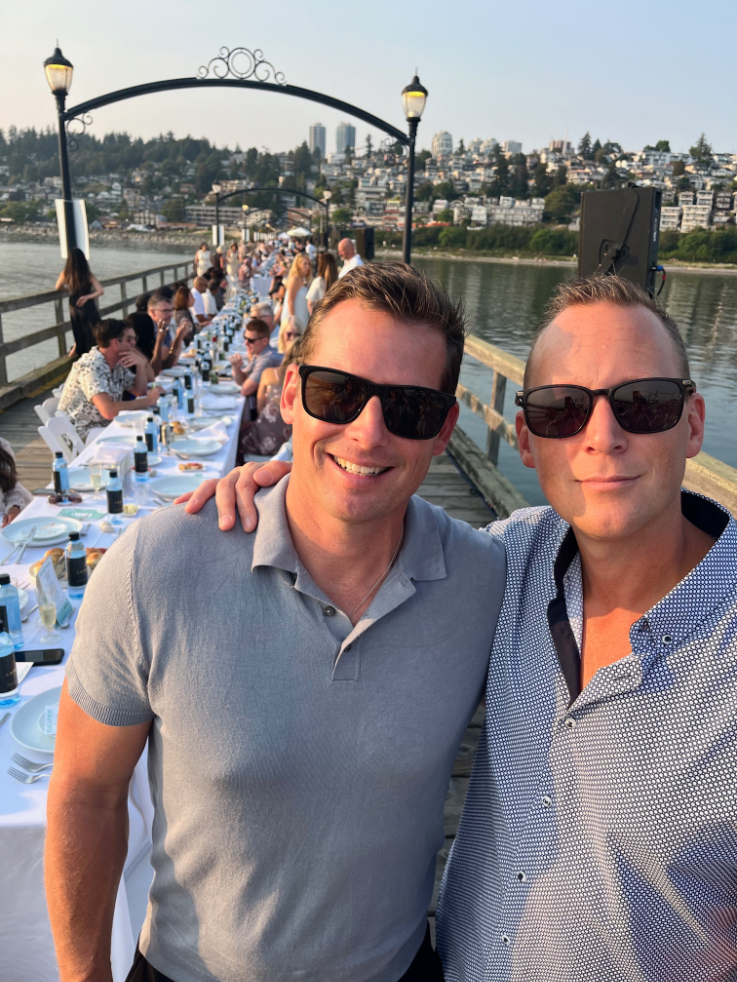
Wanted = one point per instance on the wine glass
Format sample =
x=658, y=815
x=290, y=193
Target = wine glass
x=97, y=479
x=47, y=613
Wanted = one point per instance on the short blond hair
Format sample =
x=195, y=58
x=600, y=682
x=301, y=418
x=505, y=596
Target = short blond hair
x=295, y=324
x=606, y=289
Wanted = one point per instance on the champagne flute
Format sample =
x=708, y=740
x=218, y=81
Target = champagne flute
x=47, y=613
x=96, y=479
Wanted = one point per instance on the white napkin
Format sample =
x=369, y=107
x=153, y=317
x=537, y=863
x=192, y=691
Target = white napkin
x=218, y=402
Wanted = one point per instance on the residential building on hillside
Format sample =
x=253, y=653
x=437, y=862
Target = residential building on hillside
x=670, y=217
x=317, y=138
x=507, y=211
x=512, y=147
x=442, y=144
x=345, y=136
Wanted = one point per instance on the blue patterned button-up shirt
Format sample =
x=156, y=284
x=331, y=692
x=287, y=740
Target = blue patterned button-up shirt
x=599, y=835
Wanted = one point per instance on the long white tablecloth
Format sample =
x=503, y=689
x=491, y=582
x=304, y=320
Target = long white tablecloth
x=26, y=946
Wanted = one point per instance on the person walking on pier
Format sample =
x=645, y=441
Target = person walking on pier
x=83, y=287
x=303, y=696
x=202, y=259
x=598, y=838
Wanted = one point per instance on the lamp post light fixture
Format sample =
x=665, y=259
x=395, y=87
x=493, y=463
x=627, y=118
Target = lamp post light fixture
x=59, y=71
x=217, y=188
x=414, y=97
x=245, y=237
x=326, y=196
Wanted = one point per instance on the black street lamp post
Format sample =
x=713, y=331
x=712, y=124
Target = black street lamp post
x=237, y=68
x=326, y=196
x=413, y=99
x=59, y=73
x=217, y=188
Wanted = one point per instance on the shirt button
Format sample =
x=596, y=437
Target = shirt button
x=666, y=639
x=328, y=611
x=522, y=877
x=505, y=940
x=570, y=723
x=547, y=801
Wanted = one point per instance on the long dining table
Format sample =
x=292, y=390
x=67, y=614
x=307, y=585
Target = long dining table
x=26, y=945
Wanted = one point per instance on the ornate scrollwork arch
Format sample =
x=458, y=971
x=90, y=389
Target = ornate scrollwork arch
x=242, y=63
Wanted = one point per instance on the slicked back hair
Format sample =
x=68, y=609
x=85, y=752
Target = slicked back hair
x=405, y=294
x=606, y=289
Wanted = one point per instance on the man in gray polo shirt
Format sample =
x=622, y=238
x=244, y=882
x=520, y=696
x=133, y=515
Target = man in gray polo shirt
x=302, y=690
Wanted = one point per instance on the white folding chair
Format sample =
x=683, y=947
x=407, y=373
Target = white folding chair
x=47, y=409
x=69, y=440
x=49, y=439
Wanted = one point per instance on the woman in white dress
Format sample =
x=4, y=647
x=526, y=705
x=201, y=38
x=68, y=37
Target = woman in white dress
x=202, y=259
x=327, y=274
x=295, y=303
x=231, y=269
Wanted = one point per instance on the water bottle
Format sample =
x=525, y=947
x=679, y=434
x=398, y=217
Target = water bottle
x=114, y=492
x=61, y=474
x=10, y=611
x=252, y=403
x=205, y=366
x=77, y=569
x=140, y=460
x=151, y=432
x=9, y=694
x=163, y=409
x=179, y=390
x=188, y=382
x=190, y=403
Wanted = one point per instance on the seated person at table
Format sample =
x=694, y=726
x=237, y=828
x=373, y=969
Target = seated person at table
x=13, y=496
x=93, y=392
x=265, y=435
x=216, y=286
x=263, y=312
x=168, y=346
x=260, y=357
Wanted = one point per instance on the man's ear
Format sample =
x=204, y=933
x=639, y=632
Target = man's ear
x=290, y=393
x=446, y=431
x=523, y=440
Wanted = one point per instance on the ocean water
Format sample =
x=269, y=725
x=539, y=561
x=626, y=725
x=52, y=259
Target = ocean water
x=504, y=302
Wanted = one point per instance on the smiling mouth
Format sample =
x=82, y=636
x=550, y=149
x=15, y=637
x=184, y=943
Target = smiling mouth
x=359, y=469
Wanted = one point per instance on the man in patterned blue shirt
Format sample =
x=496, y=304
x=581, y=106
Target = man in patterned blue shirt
x=599, y=836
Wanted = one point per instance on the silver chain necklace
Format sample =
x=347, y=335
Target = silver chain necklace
x=391, y=563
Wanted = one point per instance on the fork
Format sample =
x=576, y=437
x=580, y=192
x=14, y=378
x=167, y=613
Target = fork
x=25, y=544
x=25, y=778
x=30, y=765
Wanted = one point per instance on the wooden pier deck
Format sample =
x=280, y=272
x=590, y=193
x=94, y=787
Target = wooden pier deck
x=445, y=485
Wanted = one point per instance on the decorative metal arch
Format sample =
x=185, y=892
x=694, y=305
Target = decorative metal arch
x=277, y=190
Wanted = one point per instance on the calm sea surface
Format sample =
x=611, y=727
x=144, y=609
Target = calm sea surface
x=504, y=304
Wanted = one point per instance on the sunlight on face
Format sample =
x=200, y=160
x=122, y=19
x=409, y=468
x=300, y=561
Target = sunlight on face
x=606, y=482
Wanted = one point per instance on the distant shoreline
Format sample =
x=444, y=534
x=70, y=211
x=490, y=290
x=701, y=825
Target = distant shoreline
x=185, y=242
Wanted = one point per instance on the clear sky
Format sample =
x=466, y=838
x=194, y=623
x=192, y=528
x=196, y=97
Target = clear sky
x=522, y=71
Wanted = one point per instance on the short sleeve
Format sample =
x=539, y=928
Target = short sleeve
x=199, y=304
x=109, y=666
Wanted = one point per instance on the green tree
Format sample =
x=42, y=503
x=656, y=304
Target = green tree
x=500, y=184
x=701, y=151
x=679, y=168
x=340, y=216
x=595, y=148
x=554, y=241
x=543, y=182
x=369, y=145
x=446, y=215
x=444, y=190
x=452, y=238
x=173, y=210
x=424, y=191
x=461, y=146
x=584, y=146
x=561, y=203
x=561, y=176
x=520, y=177
x=663, y=146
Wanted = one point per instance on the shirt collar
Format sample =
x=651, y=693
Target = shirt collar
x=421, y=556
x=691, y=600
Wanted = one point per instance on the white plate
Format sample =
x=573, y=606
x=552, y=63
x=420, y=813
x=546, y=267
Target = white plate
x=48, y=531
x=174, y=372
x=202, y=422
x=196, y=448
x=172, y=487
x=122, y=440
x=153, y=460
x=79, y=479
x=227, y=389
x=129, y=418
x=24, y=724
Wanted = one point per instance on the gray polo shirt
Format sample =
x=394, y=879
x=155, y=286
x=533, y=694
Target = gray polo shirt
x=298, y=765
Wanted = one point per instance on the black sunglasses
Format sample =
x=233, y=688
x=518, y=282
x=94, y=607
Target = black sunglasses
x=409, y=411
x=644, y=405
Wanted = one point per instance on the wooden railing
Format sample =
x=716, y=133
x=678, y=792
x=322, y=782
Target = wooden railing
x=14, y=389
x=704, y=474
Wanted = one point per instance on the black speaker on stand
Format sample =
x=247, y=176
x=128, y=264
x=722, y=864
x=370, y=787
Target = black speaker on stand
x=620, y=232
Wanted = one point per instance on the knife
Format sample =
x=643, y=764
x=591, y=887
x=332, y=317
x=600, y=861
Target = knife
x=3, y=718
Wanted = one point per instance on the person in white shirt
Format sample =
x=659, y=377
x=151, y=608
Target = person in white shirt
x=199, y=311
x=311, y=251
x=351, y=259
